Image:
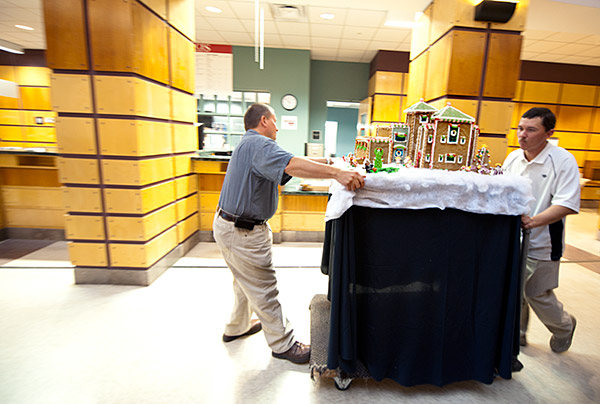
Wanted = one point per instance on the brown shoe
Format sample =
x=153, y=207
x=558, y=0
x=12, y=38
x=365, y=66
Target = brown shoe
x=256, y=327
x=298, y=353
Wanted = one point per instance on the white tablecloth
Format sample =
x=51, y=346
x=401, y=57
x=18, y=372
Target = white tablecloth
x=414, y=188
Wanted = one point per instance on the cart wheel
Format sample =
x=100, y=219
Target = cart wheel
x=342, y=383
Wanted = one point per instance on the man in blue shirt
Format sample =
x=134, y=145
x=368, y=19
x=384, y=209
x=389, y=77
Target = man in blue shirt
x=249, y=198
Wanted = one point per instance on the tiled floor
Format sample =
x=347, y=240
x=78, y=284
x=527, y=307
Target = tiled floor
x=102, y=344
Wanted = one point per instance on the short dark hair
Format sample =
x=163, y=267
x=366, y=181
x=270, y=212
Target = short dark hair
x=548, y=118
x=254, y=114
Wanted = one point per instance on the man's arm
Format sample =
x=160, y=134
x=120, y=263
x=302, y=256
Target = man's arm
x=307, y=168
x=553, y=214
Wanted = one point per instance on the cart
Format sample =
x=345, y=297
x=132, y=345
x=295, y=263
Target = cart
x=319, y=334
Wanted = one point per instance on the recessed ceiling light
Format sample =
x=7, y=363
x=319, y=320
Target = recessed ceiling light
x=214, y=9
x=327, y=16
x=24, y=27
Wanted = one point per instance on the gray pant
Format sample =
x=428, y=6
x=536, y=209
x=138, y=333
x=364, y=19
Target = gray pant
x=249, y=257
x=541, y=278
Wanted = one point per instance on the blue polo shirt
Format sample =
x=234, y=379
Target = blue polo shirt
x=255, y=170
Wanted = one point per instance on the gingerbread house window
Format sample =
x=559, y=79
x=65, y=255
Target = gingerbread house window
x=441, y=158
x=427, y=158
x=450, y=157
x=463, y=140
x=430, y=139
x=460, y=159
x=400, y=137
x=424, y=119
x=453, y=131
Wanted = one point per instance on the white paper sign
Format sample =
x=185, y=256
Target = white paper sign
x=9, y=89
x=214, y=73
x=289, y=122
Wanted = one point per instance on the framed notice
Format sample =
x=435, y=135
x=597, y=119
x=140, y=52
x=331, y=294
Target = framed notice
x=214, y=69
x=289, y=122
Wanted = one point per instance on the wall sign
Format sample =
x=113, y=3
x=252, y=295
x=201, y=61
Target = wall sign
x=214, y=69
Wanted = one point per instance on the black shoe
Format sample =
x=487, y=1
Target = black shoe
x=256, y=327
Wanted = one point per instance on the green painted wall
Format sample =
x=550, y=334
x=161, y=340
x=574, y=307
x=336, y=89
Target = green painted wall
x=286, y=71
x=313, y=82
x=335, y=81
x=347, y=118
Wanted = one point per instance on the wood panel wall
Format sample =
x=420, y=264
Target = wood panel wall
x=126, y=134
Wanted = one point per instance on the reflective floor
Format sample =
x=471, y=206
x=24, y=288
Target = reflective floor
x=65, y=343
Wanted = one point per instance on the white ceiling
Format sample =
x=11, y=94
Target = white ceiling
x=562, y=31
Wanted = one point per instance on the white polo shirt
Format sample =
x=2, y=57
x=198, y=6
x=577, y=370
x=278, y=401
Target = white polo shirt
x=554, y=177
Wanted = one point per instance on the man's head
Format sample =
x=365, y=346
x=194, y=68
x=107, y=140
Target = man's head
x=547, y=117
x=535, y=127
x=261, y=118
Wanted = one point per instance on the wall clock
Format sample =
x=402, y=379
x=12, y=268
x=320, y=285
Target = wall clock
x=289, y=102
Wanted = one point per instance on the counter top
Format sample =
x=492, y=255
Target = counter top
x=294, y=187
x=28, y=152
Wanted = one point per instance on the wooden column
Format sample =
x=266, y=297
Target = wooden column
x=472, y=64
x=122, y=85
x=387, y=91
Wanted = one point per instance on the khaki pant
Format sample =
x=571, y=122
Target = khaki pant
x=541, y=278
x=249, y=257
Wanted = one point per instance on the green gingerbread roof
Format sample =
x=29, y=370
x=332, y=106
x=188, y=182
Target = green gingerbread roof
x=449, y=113
x=420, y=106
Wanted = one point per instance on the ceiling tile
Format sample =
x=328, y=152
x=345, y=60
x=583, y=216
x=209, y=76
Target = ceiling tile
x=351, y=53
x=593, y=62
x=565, y=37
x=292, y=28
x=365, y=18
x=208, y=36
x=543, y=46
x=314, y=14
x=362, y=33
x=238, y=38
x=574, y=59
x=404, y=47
x=273, y=40
x=324, y=42
x=391, y=34
x=592, y=52
x=245, y=10
x=326, y=30
x=591, y=39
x=533, y=34
x=249, y=25
x=227, y=24
x=354, y=44
x=572, y=49
x=227, y=11
x=296, y=41
x=377, y=45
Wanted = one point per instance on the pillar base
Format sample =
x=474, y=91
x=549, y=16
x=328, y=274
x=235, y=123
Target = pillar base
x=32, y=234
x=137, y=277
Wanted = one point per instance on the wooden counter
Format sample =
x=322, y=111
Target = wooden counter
x=30, y=196
x=300, y=214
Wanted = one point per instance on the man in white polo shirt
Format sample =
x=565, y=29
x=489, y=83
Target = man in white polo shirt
x=554, y=179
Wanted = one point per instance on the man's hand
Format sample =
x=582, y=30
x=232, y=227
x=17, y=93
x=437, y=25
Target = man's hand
x=527, y=222
x=351, y=179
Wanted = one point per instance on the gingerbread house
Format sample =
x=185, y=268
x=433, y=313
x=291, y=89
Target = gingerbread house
x=422, y=154
x=453, y=140
x=400, y=133
x=416, y=115
x=365, y=146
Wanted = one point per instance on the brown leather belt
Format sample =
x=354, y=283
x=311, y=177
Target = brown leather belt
x=231, y=218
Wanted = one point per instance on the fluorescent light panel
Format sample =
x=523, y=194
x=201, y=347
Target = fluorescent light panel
x=11, y=47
